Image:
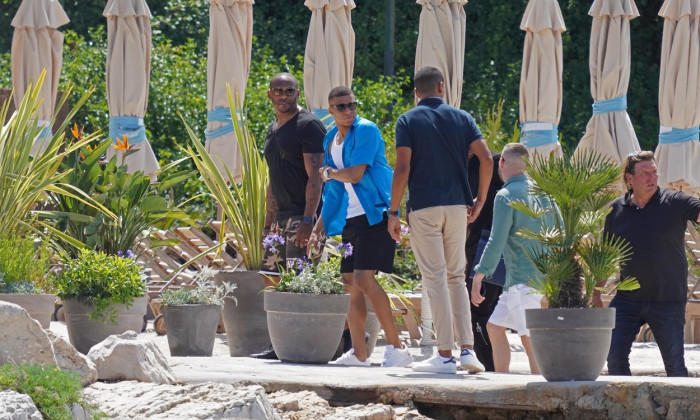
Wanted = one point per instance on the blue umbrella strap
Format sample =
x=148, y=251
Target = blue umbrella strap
x=126, y=124
x=610, y=105
x=46, y=131
x=220, y=114
x=536, y=134
x=325, y=117
x=669, y=135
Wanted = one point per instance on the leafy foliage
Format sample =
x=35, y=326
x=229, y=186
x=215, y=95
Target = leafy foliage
x=321, y=279
x=205, y=291
x=54, y=391
x=576, y=256
x=24, y=265
x=97, y=278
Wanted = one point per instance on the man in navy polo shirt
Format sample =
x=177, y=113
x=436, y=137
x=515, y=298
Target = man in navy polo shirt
x=653, y=220
x=433, y=141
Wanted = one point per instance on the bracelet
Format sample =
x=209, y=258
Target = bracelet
x=306, y=220
x=393, y=213
x=325, y=172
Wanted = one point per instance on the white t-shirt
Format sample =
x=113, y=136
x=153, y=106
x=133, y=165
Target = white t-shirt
x=354, y=205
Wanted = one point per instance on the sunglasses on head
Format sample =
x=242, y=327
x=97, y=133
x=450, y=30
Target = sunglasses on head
x=342, y=107
x=286, y=91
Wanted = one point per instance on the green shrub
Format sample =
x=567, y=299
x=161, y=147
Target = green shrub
x=53, y=391
x=24, y=265
x=205, y=292
x=102, y=280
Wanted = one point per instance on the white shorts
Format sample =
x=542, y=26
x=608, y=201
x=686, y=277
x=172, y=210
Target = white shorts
x=510, y=309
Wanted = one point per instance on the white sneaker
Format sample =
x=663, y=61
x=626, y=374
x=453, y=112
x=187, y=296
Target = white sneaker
x=469, y=362
x=349, y=359
x=394, y=357
x=436, y=364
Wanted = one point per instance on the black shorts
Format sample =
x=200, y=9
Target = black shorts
x=373, y=247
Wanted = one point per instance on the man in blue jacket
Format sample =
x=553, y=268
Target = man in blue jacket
x=355, y=200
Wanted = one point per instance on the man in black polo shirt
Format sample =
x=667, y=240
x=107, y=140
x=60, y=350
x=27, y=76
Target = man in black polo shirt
x=294, y=154
x=653, y=220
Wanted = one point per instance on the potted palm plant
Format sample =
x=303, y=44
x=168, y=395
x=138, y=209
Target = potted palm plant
x=102, y=295
x=243, y=208
x=24, y=266
x=192, y=314
x=571, y=339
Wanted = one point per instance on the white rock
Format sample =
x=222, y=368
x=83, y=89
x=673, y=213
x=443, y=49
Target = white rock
x=22, y=340
x=68, y=358
x=140, y=400
x=16, y=406
x=124, y=357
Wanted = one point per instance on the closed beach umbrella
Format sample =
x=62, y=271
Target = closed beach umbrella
x=678, y=152
x=230, y=45
x=541, y=77
x=329, y=58
x=128, y=75
x=441, y=37
x=37, y=44
x=610, y=130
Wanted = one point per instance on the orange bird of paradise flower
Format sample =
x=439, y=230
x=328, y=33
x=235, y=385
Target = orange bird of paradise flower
x=123, y=145
x=78, y=134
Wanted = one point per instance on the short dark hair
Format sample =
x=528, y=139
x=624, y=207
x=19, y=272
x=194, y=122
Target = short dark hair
x=339, y=91
x=427, y=80
x=279, y=76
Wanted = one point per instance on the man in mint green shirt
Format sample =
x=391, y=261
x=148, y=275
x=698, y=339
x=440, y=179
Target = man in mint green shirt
x=517, y=295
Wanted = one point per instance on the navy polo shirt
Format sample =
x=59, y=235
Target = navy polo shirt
x=439, y=136
x=656, y=234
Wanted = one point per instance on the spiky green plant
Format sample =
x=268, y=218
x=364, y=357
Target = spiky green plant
x=25, y=179
x=243, y=203
x=576, y=256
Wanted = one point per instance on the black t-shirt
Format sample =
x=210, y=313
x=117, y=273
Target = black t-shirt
x=656, y=234
x=284, y=153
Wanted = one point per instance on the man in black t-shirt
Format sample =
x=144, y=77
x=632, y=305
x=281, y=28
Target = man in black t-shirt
x=294, y=154
x=653, y=220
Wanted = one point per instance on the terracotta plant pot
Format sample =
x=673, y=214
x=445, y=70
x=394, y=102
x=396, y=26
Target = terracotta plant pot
x=305, y=328
x=84, y=332
x=39, y=306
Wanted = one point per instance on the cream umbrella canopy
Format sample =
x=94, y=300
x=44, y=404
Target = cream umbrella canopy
x=610, y=130
x=441, y=43
x=678, y=152
x=541, y=77
x=228, y=62
x=37, y=44
x=329, y=58
x=128, y=76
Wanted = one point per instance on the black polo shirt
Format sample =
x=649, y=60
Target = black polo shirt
x=656, y=234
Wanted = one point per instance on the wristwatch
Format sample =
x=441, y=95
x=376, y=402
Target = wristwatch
x=306, y=220
x=393, y=213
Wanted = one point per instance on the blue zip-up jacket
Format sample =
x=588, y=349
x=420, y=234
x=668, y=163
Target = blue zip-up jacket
x=362, y=145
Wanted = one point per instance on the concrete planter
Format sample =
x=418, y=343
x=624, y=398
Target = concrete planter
x=191, y=329
x=245, y=322
x=39, y=306
x=84, y=332
x=570, y=344
x=305, y=328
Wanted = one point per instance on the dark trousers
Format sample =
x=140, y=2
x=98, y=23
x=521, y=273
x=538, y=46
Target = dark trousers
x=480, y=316
x=666, y=321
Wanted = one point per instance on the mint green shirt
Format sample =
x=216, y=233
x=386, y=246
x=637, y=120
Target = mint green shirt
x=503, y=239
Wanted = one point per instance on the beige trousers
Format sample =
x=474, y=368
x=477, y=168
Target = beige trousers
x=438, y=235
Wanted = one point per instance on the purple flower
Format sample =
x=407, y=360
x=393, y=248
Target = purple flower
x=345, y=249
x=405, y=230
x=272, y=241
x=120, y=253
x=127, y=254
x=302, y=263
